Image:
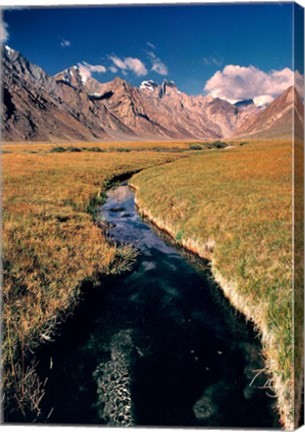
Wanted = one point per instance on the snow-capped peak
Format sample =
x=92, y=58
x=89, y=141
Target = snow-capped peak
x=67, y=75
x=148, y=85
x=8, y=49
x=169, y=87
x=9, y=52
x=169, y=83
x=73, y=76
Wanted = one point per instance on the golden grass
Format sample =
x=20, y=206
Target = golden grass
x=234, y=206
x=51, y=245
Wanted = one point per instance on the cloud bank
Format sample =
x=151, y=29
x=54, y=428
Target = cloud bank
x=129, y=63
x=236, y=82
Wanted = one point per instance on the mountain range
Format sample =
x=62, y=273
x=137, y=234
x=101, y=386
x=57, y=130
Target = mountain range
x=71, y=106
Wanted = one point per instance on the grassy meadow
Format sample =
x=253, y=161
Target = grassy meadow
x=51, y=244
x=234, y=207
x=231, y=205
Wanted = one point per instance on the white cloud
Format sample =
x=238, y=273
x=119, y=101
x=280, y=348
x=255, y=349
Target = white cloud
x=113, y=69
x=95, y=68
x=129, y=63
x=262, y=100
x=65, y=43
x=157, y=65
x=118, y=62
x=235, y=83
x=4, y=35
x=136, y=66
x=87, y=69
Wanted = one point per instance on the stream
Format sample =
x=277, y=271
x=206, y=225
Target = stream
x=159, y=346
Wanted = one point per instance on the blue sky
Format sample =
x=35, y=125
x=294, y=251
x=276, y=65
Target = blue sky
x=187, y=44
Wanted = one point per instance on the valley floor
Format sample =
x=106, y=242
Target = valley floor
x=232, y=206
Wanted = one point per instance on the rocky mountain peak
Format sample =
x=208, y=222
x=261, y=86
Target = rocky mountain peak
x=167, y=87
x=291, y=95
x=73, y=105
x=14, y=66
x=148, y=85
x=10, y=53
x=276, y=119
x=72, y=76
x=289, y=98
x=118, y=82
x=208, y=99
x=14, y=60
x=169, y=83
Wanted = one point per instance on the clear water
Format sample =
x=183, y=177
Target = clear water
x=159, y=346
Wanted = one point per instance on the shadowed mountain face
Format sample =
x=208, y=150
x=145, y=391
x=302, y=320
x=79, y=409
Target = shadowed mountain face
x=71, y=106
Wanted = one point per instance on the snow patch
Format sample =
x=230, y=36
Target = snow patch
x=83, y=78
x=149, y=85
x=10, y=52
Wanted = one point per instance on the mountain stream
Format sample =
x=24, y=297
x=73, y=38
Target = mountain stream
x=158, y=346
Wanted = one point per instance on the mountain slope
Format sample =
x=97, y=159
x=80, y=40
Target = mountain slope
x=149, y=111
x=72, y=106
x=277, y=119
x=33, y=104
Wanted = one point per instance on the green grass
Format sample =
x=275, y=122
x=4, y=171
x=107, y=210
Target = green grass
x=233, y=206
x=77, y=149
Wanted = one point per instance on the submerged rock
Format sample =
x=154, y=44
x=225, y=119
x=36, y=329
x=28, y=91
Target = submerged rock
x=203, y=408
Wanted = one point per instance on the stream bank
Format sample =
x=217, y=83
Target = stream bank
x=205, y=252
x=159, y=346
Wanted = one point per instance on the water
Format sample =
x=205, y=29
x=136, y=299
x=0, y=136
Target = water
x=158, y=346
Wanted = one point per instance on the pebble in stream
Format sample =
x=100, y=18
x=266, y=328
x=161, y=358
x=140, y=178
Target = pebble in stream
x=113, y=382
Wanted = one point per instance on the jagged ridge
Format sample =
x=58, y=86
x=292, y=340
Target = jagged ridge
x=72, y=106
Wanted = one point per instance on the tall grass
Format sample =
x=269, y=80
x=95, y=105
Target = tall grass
x=50, y=246
x=234, y=206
